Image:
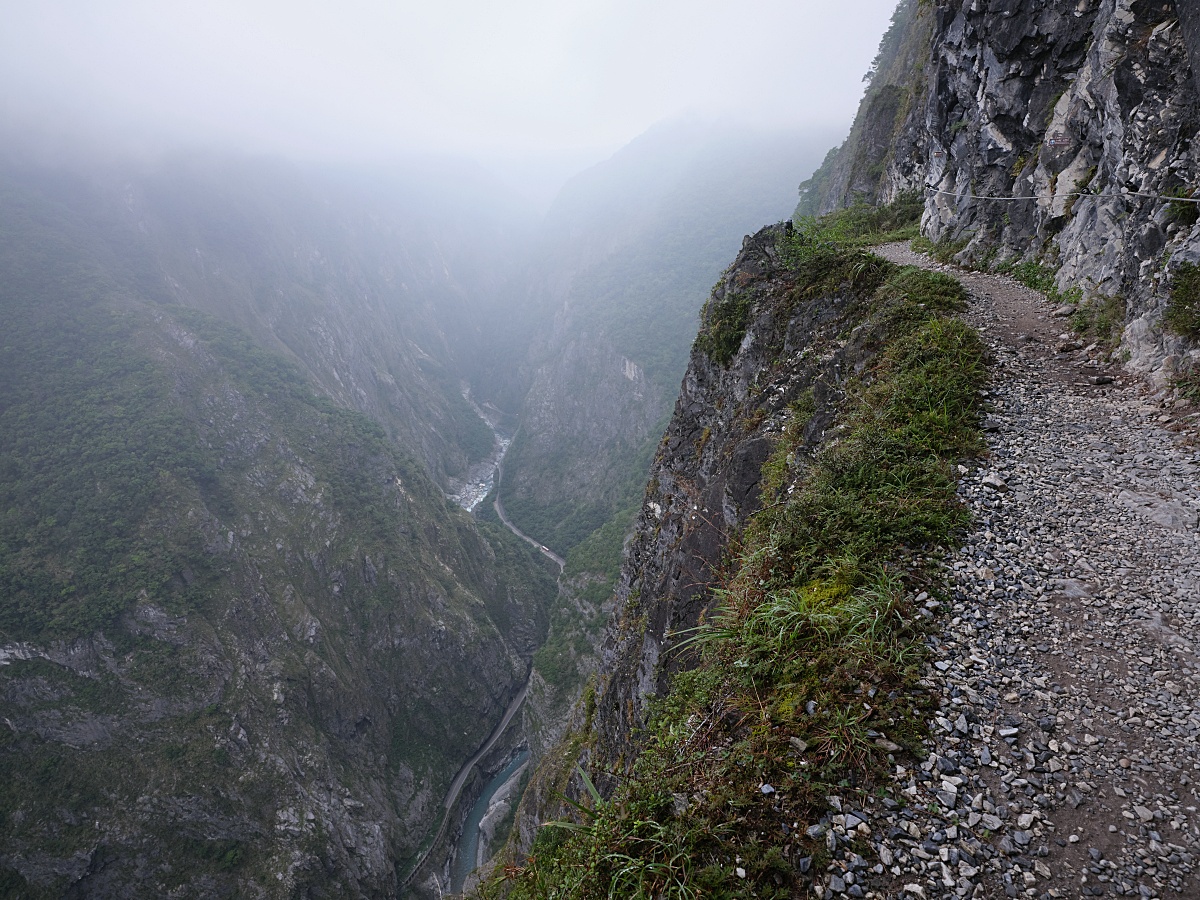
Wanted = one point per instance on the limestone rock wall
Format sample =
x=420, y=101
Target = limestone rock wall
x=1057, y=132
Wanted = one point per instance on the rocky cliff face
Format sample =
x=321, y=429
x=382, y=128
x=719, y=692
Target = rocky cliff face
x=1052, y=132
x=1189, y=20
x=793, y=358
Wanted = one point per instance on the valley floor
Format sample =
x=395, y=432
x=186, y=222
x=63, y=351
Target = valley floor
x=1064, y=759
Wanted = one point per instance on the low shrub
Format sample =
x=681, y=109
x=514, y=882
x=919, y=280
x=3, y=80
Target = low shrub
x=1183, y=308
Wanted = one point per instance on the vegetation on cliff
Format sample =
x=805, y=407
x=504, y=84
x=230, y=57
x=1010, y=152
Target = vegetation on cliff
x=1182, y=315
x=247, y=640
x=802, y=682
x=636, y=243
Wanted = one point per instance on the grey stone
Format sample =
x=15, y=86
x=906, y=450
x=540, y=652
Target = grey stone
x=994, y=482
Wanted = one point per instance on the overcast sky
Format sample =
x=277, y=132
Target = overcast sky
x=366, y=80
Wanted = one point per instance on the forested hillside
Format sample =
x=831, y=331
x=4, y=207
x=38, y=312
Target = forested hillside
x=371, y=282
x=246, y=640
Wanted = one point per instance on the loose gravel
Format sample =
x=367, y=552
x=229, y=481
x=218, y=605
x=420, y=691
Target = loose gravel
x=1064, y=757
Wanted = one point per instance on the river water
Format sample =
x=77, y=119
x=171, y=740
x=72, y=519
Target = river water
x=481, y=477
x=466, y=857
x=475, y=487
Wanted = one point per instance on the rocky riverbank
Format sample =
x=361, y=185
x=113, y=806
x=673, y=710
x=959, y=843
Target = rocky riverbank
x=469, y=491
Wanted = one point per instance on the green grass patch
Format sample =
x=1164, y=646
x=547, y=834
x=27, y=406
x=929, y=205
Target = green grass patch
x=722, y=327
x=943, y=250
x=1186, y=383
x=1032, y=274
x=1038, y=276
x=888, y=485
x=1183, y=308
x=806, y=674
x=825, y=253
x=1182, y=211
x=1100, y=319
x=859, y=225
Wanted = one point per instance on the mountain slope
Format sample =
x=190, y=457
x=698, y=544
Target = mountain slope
x=246, y=642
x=369, y=283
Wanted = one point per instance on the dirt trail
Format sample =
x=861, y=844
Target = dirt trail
x=1065, y=756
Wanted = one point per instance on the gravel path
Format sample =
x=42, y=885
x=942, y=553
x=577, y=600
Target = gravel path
x=1064, y=759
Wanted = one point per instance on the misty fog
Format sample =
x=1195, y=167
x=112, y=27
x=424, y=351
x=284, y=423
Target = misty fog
x=336, y=347
x=537, y=90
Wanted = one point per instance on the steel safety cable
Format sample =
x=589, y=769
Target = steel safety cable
x=1069, y=194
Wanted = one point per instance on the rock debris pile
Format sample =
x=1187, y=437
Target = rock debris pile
x=1064, y=757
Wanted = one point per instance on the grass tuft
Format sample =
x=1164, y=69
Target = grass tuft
x=722, y=327
x=813, y=651
x=944, y=251
x=1183, y=308
x=1100, y=319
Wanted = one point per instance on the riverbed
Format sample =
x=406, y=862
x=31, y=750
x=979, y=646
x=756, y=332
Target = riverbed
x=467, y=855
x=481, y=477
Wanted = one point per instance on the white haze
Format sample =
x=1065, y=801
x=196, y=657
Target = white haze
x=535, y=87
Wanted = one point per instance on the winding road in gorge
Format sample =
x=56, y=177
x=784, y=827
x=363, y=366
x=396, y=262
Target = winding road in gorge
x=499, y=505
x=460, y=779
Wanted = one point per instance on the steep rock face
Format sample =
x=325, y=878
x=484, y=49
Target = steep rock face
x=852, y=172
x=778, y=343
x=1189, y=19
x=793, y=357
x=1088, y=113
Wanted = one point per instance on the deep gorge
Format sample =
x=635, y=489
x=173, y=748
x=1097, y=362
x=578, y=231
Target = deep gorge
x=239, y=399
x=259, y=609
